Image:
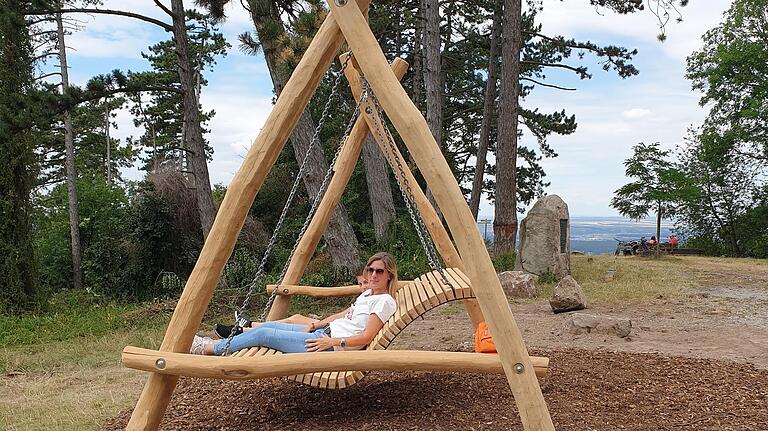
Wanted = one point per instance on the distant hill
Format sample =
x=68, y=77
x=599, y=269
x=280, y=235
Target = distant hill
x=595, y=235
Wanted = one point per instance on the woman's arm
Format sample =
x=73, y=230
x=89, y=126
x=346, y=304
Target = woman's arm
x=312, y=326
x=363, y=339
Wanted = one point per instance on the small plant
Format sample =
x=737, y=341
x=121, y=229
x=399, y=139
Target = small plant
x=548, y=277
x=504, y=261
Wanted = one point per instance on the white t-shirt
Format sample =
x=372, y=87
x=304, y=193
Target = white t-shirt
x=356, y=319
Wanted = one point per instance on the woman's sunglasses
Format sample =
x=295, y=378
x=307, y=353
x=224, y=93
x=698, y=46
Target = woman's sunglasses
x=376, y=270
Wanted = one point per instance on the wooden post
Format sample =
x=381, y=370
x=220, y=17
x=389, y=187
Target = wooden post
x=413, y=128
x=242, y=190
x=343, y=171
x=432, y=221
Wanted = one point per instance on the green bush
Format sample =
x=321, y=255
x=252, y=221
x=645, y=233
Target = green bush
x=504, y=261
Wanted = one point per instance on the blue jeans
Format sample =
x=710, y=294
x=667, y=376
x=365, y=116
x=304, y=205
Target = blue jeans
x=284, y=337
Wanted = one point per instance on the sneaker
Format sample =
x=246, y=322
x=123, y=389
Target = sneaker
x=223, y=331
x=198, y=345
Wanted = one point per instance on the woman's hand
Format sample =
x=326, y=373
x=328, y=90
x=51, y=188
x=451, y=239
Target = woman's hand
x=319, y=344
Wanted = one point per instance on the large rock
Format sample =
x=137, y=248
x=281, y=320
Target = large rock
x=582, y=323
x=567, y=296
x=545, y=243
x=518, y=284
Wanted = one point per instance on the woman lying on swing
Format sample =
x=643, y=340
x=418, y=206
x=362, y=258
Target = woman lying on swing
x=351, y=329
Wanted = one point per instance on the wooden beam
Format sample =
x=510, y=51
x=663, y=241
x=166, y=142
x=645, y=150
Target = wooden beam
x=262, y=367
x=240, y=194
x=321, y=292
x=432, y=221
x=413, y=128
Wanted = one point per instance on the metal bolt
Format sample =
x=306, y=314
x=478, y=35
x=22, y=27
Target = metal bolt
x=340, y=3
x=285, y=291
x=519, y=368
x=160, y=364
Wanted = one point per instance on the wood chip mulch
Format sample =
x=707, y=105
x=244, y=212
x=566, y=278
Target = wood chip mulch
x=585, y=390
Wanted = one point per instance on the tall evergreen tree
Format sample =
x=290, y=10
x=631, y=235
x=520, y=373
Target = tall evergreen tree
x=19, y=288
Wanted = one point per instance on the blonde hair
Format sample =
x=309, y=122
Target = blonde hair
x=389, y=265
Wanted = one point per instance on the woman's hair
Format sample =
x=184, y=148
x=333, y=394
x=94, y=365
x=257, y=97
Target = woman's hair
x=391, y=267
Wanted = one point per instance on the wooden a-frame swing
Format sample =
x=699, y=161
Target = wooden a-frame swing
x=471, y=271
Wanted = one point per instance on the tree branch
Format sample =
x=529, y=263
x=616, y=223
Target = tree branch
x=546, y=85
x=164, y=26
x=164, y=8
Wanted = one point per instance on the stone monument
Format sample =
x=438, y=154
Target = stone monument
x=545, y=242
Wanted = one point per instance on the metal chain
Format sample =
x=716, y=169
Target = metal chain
x=260, y=272
x=405, y=187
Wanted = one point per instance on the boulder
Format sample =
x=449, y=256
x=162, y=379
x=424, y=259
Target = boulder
x=582, y=323
x=545, y=244
x=518, y=284
x=567, y=296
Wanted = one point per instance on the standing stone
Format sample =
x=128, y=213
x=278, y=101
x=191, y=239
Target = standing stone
x=545, y=243
x=517, y=284
x=567, y=296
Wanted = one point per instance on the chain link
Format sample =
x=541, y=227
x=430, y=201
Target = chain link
x=315, y=138
x=404, y=185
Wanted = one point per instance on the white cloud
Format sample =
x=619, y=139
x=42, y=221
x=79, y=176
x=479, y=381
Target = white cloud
x=636, y=113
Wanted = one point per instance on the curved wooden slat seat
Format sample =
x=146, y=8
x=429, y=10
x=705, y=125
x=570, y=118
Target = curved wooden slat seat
x=414, y=299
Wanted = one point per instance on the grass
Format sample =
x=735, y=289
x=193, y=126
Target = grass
x=62, y=370
x=635, y=280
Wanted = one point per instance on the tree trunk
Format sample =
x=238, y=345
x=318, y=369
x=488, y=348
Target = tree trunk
x=109, y=143
x=505, y=220
x=341, y=240
x=339, y=236
x=418, y=59
x=434, y=117
x=193, y=132
x=69, y=163
x=488, y=112
x=658, y=230
x=379, y=190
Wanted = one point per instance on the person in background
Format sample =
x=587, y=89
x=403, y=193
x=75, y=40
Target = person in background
x=652, y=243
x=673, y=241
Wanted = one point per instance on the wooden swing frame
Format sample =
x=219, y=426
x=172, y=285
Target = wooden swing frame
x=346, y=21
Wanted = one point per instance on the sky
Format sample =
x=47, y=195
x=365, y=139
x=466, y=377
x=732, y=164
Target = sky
x=612, y=113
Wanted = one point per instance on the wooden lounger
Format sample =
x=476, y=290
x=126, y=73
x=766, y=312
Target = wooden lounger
x=337, y=370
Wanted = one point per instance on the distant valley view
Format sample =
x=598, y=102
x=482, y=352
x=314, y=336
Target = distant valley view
x=597, y=235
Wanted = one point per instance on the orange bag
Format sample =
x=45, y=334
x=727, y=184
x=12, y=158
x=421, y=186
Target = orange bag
x=483, y=340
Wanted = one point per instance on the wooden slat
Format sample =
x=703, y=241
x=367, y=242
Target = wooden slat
x=465, y=287
x=455, y=285
x=402, y=307
x=434, y=300
x=413, y=297
x=349, y=377
x=315, y=379
x=410, y=309
x=429, y=278
x=463, y=276
x=437, y=280
x=333, y=381
x=459, y=286
x=423, y=298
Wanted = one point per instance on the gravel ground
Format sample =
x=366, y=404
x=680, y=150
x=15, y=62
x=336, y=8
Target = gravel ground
x=585, y=390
